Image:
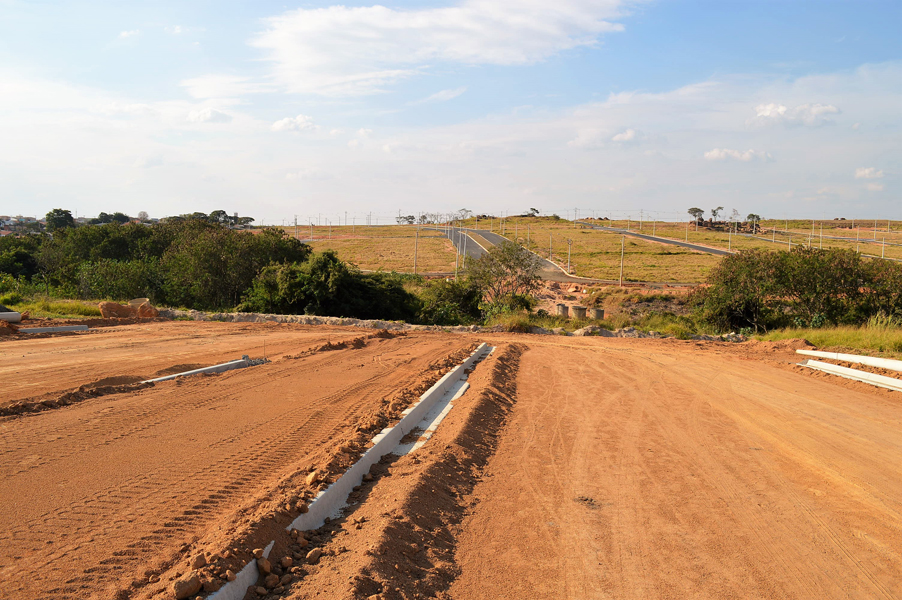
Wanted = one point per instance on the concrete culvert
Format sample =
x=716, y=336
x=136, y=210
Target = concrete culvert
x=596, y=313
x=579, y=312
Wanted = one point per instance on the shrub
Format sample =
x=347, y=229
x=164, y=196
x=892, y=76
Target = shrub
x=447, y=302
x=324, y=285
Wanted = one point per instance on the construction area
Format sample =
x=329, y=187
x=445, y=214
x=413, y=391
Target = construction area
x=563, y=467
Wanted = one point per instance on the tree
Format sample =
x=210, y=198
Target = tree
x=696, y=213
x=143, y=216
x=754, y=220
x=715, y=212
x=120, y=218
x=532, y=212
x=504, y=274
x=59, y=218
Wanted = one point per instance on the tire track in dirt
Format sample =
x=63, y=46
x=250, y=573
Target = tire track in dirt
x=137, y=509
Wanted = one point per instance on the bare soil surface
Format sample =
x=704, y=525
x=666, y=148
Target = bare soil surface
x=103, y=498
x=656, y=471
x=572, y=468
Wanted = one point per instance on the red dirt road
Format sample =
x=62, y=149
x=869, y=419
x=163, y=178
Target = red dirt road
x=110, y=490
x=573, y=468
x=655, y=470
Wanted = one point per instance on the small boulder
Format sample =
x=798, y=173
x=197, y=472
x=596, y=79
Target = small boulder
x=186, y=587
x=114, y=310
x=230, y=575
x=313, y=477
x=271, y=581
x=147, y=311
x=287, y=562
x=264, y=566
x=313, y=556
x=198, y=562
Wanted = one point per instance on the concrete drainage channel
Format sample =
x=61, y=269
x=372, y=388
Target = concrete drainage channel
x=890, y=383
x=425, y=415
x=244, y=361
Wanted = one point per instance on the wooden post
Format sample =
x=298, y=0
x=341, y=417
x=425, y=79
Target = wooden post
x=416, y=246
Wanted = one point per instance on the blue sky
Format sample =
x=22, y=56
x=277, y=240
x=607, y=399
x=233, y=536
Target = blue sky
x=275, y=110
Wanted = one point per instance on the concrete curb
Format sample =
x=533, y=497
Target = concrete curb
x=220, y=368
x=331, y=499
x=883, y=381
x=59, y=329
x=883, y=363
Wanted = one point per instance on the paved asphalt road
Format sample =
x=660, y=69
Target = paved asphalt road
x=549, y=271
x=652, y=238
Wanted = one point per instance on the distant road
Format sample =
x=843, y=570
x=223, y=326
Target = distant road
x=463, y=239
x=653, y=238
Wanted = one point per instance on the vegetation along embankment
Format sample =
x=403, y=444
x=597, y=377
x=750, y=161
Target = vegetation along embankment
x=204, y=264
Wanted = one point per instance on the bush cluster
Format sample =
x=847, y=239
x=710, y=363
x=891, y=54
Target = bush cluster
x=806, y=287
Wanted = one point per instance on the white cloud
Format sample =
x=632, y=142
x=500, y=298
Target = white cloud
x=222, y=86
x=121, y=108
x=441, y=96
x=868, y=173
x=364, y=133
x=209, y=115
x=353, y=143
x=875, y=187
x=346, y=51
x=626, y=136
x=148, y=162
x=298, y=123
x=174, y=30
x=587, y=138
x=747, y=156
x=804, y=114
x=127, y=34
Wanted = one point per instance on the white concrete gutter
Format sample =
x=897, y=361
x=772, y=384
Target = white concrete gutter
x=883, y=363
x=890, y=383
x=58, y=329
x=221, y=368
x=11, y=317
x=331, y=500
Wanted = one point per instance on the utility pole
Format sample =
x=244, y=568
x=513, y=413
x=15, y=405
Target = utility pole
x=527, y=236
x=640, y=219
x=549, y=245
x=296, y=227
x=822, y=237
x=311, y=231
x=687, y=229
x=416, y=245
x=622, y=242
x=654, y=226
x=569, y=247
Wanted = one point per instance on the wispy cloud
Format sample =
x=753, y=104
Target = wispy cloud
x=810, y=115
x=298, y=123
x=747, y=156
x=127, y=34
x=209, y=115
x=347, y=51
x=442, y=96
x=868, y=173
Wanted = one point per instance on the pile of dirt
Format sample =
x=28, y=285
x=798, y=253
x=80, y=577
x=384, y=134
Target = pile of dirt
x=385, y=334
x=355, y=343
x=112, y=385
x=791, y=344
x=7, y=328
